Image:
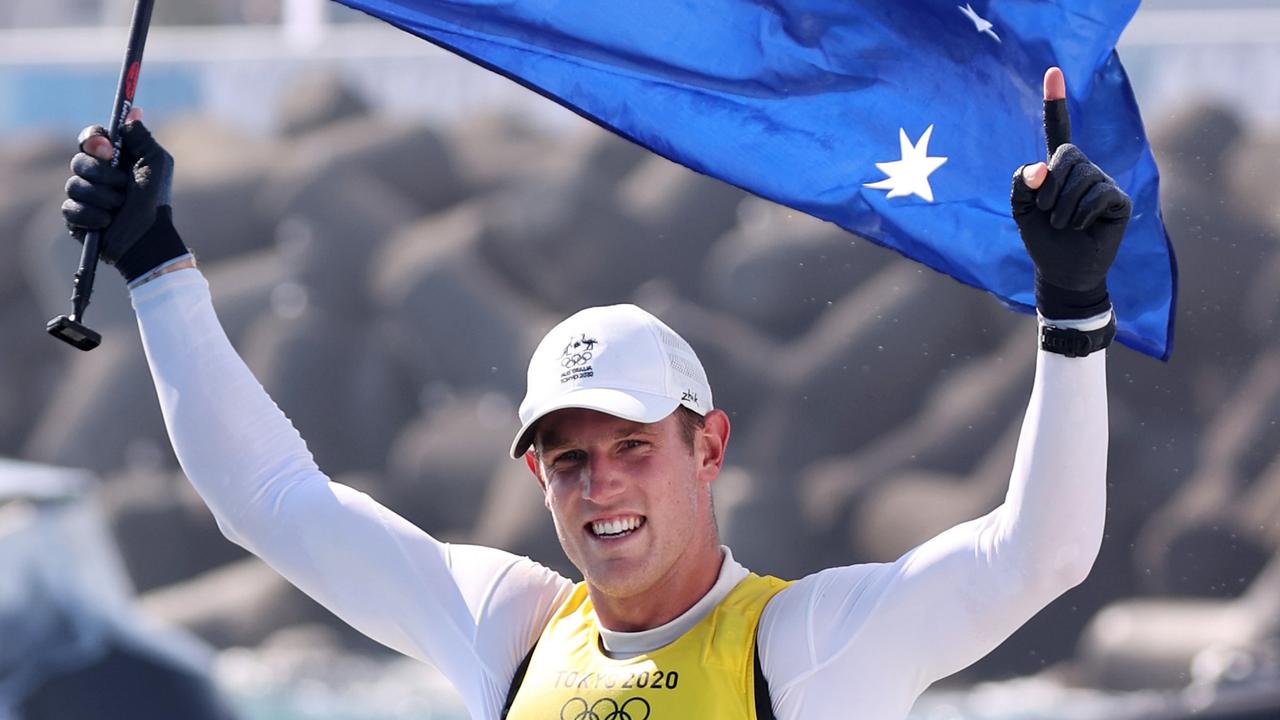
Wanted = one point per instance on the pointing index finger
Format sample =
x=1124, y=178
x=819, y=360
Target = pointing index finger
x=1057, y=122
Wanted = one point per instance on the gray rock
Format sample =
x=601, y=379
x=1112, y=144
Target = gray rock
x=16, y=211
x=331, y=229
x=1209, y=557
x=1260, y=303
x=513, y=517
x=237, y=604
x=780, y=269
x=761, y=522
x=32, y=174
x=491, y=151
x=680, y=213
x=1222, y=241
x=1141, y=644
x=1197, y=141
x=35, y=150
x=331, y=377
x=164, y=531
x=970, y=409
x=1247, y=172
x=105, y=404
x=915, y=505
x=602, y=156
x=219, y=174
x=446, y=315
x=316, y=99
x=32, y=365
x=563, y=240
x=440, y=467
x=1195, y=544
x=246, y=287
x=412, y=158
x=1259, y=505
x=870, y=362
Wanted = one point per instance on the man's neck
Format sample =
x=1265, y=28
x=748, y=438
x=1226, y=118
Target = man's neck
x=672, y=596
x=624, y=645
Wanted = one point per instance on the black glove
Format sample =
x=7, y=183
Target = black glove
x=128, y=203
x=1071, y=226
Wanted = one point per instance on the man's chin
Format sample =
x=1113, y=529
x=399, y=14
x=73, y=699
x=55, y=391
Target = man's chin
x=618, y=576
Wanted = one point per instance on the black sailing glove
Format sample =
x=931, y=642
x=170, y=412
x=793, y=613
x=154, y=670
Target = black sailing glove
x=128, y=203
x=1072, y=228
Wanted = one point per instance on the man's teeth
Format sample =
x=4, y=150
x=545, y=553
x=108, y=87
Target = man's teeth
x=615, y=527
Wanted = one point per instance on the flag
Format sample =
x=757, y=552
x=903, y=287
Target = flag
x=901, y=122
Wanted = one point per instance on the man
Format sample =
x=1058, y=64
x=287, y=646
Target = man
x=619, y=430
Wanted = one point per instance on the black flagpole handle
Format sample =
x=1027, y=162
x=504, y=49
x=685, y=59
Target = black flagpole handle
x=70, y=328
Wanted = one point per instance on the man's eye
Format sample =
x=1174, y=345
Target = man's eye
x=629, y=444
x=568, y=458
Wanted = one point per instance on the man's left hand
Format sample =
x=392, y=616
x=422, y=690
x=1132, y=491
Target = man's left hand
x=1072, y=217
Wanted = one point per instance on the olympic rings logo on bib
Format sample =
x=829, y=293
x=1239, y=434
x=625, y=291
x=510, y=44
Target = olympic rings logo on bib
x=576, y=708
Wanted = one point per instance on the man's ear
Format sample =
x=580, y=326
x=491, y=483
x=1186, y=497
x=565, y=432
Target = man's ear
x=712, y=441
x=531, y=460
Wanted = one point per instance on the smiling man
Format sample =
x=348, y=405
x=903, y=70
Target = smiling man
x=625, y=443
x=619, y=429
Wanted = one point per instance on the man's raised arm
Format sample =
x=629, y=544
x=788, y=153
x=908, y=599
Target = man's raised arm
x=887, y=631
x=474, y=612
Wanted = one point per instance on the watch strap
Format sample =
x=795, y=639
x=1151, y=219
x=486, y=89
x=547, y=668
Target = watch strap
x=1076, y=343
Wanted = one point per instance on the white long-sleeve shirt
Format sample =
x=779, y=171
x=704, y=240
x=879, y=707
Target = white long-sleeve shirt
x=858, y=641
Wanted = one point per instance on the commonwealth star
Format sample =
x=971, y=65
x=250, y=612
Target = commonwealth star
x=982, y=24
x=910, y=175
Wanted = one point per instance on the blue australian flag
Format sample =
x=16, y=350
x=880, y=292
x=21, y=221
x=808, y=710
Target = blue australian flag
x=901, y=121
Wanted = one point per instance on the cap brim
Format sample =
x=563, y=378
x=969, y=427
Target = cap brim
x=629, y=405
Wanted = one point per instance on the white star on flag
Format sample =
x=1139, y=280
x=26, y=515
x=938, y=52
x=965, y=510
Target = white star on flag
x=910, y=175
x=982, y=24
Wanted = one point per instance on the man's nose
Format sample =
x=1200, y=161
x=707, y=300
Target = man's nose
x=602, y=481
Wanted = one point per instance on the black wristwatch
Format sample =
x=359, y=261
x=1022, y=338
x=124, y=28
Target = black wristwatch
x=1077, y=343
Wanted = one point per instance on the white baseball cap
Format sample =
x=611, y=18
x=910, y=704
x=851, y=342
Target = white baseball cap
x=616, y=359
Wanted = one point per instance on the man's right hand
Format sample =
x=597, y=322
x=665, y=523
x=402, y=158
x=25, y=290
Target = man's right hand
x=128, y=203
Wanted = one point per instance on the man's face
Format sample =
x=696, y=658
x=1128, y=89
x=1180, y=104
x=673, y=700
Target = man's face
x=631, y=502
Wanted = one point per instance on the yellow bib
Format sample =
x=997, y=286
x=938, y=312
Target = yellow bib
x=708, y=672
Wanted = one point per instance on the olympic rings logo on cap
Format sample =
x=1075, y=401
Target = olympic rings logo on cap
x=577, y=351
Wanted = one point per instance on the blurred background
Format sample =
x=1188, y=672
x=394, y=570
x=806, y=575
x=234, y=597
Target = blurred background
x=388, y=231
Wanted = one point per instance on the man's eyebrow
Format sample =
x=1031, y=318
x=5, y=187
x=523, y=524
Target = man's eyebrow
x=634, y=429
x=549, y=441
x=546, y=442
